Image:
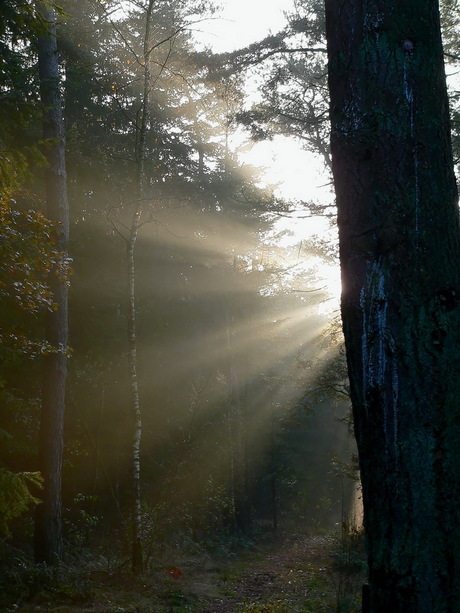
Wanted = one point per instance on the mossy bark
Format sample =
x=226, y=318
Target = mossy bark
x=400, y=256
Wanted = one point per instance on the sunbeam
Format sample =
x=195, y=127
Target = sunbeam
x=201, y=383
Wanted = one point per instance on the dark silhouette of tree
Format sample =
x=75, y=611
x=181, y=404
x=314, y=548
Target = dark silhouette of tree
x=399, y=251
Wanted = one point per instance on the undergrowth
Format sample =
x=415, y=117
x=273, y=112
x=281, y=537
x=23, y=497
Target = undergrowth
x=296, y=574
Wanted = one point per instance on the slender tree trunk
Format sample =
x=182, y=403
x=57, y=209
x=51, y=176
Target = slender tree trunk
x=237, y=443
x=48, y=534
x=136, y=516
x=400, y=255
x=239, y=486
x=273, y=476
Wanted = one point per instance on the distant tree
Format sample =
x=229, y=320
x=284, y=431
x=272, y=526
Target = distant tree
x=28, y=258
x=199, y=258
x=400, y=253
x=19, y=114
x=142, y=127
x=29, y=255
x=150, y=59
x=48, y=543
x=292, y=63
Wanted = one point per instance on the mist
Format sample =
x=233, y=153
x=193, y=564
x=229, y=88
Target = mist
x=206, y=409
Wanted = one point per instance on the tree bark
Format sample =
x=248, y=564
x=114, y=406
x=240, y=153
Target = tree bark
x=400, y=254
x=48, y=533
x=137, y=562
x=136, y=517
x=238, y=452
x=273, y=475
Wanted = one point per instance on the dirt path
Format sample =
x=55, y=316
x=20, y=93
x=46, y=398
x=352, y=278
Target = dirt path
x=297, y=574
x=296, y=577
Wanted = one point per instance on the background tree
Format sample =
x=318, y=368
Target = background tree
x=399, y=252
x=208, y=257
x=29, y=256
x=48, y=546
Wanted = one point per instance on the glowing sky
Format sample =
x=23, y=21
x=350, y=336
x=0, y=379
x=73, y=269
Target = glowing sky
x=299, y=173
x=242, y=22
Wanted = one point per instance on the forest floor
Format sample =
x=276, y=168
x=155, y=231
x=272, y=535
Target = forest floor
x=294, y=574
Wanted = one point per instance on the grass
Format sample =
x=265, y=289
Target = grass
x=298, y=574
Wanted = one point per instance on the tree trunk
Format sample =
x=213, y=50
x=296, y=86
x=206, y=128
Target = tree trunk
x=273, y=475
x=136, y=516
x=48, y=533
x=238, y=452
x=400, y=254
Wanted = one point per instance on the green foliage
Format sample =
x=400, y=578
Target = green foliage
x=20, y=127
x=24, y=581
x=15, y=164
x=27, y=247
x=350, y=569
x=349, y=470
x=80, y=523
x=15, y=495
x=29, y=257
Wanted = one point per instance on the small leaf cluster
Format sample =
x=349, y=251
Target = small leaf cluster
x=15, y=495
x=29, y=255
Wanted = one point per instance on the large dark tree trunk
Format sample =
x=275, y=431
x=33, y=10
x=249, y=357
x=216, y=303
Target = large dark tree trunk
x=48, y=534
x=400, y=257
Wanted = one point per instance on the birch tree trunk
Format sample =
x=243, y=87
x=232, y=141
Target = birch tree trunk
x=136, y=516
x=400, y=257
x=48, y=533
